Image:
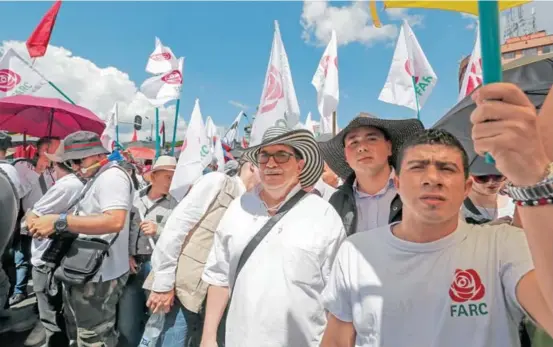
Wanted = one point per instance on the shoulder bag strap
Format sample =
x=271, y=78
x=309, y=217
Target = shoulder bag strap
x=42, y=182
x=470, y=206
x=256, y=240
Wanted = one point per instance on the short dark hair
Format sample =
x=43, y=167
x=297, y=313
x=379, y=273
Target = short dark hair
x=46, y=140
x=434, y=137
x=5, y=141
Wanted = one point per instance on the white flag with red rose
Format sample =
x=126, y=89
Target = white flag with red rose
x=411, y=78
x=194, y=157
x=109, y=135
x=163, y=88
x=279, y=104
x=325, y=82
x=161, y=60
x=18, y=77
x=473, y=73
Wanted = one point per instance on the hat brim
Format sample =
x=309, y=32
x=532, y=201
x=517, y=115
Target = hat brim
x=65, y=156
x=396, y=130
x=164, y=168
x=301, y=140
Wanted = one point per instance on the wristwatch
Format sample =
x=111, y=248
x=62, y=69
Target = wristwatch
x=61, y=224
x=540, y=190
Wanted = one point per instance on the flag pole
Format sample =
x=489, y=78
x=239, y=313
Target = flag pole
x=488, y=17
x=157, y=133
x=334, y=117
x=416, y=98
x=60, y=91
x=175, y=127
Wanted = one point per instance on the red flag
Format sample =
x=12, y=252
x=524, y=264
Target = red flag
x=38, y=41
x=134, y=136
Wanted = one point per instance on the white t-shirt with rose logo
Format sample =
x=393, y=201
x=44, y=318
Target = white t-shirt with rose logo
x=458, y=291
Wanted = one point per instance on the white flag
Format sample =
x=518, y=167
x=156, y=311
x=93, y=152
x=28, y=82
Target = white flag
x=411, y=78
x=161, y=89
x=210, y=132
x=473, y=73
x=219, y=154
x=309, y=125
x=194, y=157
x=17, y=77
x=279, y=104
x=325, y=82
x=109, y=136
x=232, y=133
x=161, y=60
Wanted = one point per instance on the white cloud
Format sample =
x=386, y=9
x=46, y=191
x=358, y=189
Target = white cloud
x=238, y=104
x=403, y=13
x=98, y=88
x=352, y=23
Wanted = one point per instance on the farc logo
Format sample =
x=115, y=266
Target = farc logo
x=8, y=80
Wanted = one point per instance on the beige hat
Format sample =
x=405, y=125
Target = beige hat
x=165, y=162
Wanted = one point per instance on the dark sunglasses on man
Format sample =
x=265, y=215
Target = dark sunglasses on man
x=280, y=157
x=482, y=179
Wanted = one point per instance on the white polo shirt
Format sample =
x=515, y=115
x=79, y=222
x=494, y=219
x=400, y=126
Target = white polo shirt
x=458, y=291
x=111, y=190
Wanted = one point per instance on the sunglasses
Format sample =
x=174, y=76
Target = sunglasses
x=280, y=157
x=488, y=178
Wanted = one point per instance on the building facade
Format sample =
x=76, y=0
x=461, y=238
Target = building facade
x=537, y=43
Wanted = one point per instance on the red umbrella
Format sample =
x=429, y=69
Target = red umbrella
x=142, y=152
x=37, y=116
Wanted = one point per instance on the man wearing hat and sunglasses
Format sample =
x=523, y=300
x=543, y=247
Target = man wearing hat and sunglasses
x=273, y=250
x=363, y=154
x=101, y=212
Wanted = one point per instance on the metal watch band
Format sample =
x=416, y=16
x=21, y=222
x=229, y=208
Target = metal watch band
x=542, y=190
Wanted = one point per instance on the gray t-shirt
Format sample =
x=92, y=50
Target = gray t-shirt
x=458, y=291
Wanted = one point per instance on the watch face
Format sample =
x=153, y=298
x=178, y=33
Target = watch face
x=60, y=225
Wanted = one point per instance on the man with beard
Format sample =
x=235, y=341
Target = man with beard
x=102, y=212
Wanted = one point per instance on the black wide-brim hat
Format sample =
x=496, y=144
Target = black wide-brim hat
x=396, y=130
x=301, y=140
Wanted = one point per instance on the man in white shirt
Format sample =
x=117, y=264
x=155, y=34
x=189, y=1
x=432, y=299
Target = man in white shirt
x=51, y=330
x=103, y=213
x=182, y=250
x=432, y=280
x=276, y=297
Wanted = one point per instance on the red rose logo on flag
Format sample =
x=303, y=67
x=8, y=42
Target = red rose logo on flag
x=8, y=80
x=173, y=77
x=466, y=286
x=475, y=76
x=408, y=69
x=161, y=56
x=324, y=63
x=273, y=91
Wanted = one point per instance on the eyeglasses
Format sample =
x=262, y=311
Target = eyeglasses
x=488, y=178
x=280, y=157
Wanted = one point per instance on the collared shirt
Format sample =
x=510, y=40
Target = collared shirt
x=157, y=211
x=277, y=295
x=373, y=211
x=184, y=217
x=57, y=200
x=325, y=190
x=111, y=190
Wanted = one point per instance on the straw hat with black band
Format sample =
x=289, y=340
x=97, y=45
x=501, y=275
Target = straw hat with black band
x=302, y=141
x=396, y=131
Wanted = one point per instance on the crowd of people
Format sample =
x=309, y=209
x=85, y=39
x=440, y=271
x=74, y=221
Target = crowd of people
x=382, y=235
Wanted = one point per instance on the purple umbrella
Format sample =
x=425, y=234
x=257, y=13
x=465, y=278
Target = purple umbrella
x=37, y=116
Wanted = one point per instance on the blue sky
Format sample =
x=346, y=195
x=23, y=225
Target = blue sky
x=227, y=47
